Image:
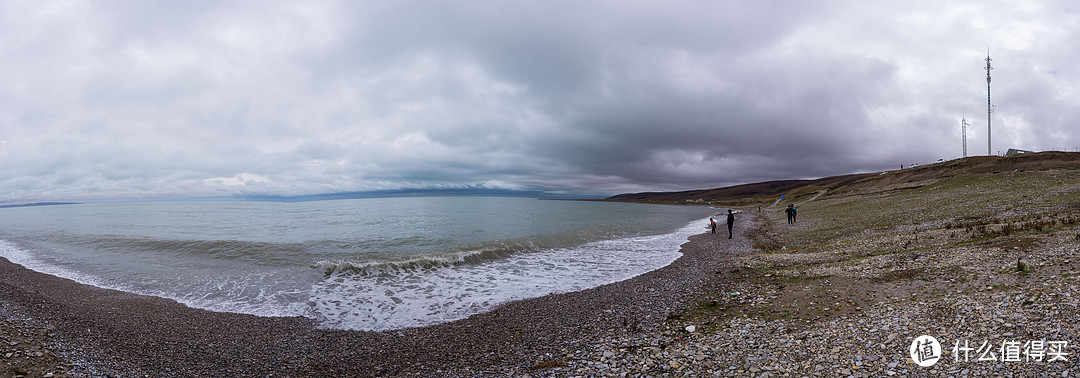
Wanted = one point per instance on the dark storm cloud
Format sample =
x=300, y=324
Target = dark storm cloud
x=208, y=98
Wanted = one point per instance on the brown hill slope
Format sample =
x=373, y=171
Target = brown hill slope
x=745, y=194
x=765, y=193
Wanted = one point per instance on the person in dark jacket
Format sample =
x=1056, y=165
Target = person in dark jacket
x=790, y=210
x=730, y=222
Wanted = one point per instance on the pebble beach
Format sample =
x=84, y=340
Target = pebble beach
x=845, y=291
x=642, y=327
x=82, y=330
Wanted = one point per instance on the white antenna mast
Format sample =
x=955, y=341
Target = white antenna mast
x=989, y=108
x=963, y=132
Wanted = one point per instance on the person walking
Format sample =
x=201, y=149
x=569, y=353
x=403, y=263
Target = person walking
x=712, y=225
x=790, y=210
x=730, y=222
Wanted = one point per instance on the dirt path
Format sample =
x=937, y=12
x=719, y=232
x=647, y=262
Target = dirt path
x=814, y=197
x=773, y=204
x=770, y=207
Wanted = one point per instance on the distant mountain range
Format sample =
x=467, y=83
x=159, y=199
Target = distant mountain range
x=451, y=192
x=471, y=192
x=38, y=204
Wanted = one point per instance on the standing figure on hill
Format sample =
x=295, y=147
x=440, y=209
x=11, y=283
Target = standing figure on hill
x=794, y=214
x=712, y=225
x=730, y=222
x=790, y=210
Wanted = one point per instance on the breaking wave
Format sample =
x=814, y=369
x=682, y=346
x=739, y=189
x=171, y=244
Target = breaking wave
x=355, y=264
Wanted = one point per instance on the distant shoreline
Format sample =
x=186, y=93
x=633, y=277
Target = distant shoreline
x=35, y=204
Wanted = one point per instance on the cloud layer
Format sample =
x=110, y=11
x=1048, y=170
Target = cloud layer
x=123, y=99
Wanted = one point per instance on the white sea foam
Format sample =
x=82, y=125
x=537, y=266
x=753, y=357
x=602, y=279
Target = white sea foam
x=417, y=298
x=24, y=257
x=358, y=264
x=402, y=298
x=250, y=293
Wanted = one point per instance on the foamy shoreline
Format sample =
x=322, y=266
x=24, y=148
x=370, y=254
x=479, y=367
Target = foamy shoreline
x=101, y=331
x=393, y=275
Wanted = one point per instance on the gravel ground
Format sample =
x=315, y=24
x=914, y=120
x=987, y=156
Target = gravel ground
x=866, y=326
x=23, y=347
x=987, y=264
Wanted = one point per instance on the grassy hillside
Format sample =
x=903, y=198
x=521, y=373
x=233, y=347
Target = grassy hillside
x=1007, y=170
x=979, y=250
x=973, y=233
x=960, y=201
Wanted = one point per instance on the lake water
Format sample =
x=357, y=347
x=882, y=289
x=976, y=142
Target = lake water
x=365, y=264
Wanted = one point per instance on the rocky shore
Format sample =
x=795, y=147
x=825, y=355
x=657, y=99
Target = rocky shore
x=80, y=330
x=723, y=309
x=843, y=292
x=850, y=320
x=987, y=263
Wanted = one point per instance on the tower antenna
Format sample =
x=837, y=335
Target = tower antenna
x=989, y=108
x=963, y=132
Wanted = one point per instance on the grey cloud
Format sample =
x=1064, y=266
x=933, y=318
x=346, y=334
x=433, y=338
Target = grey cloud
x=210, y=98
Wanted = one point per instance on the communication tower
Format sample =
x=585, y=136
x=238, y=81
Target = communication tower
x=963, y=133
x=989, y=108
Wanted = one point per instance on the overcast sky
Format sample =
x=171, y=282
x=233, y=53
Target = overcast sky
x=197, y=98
